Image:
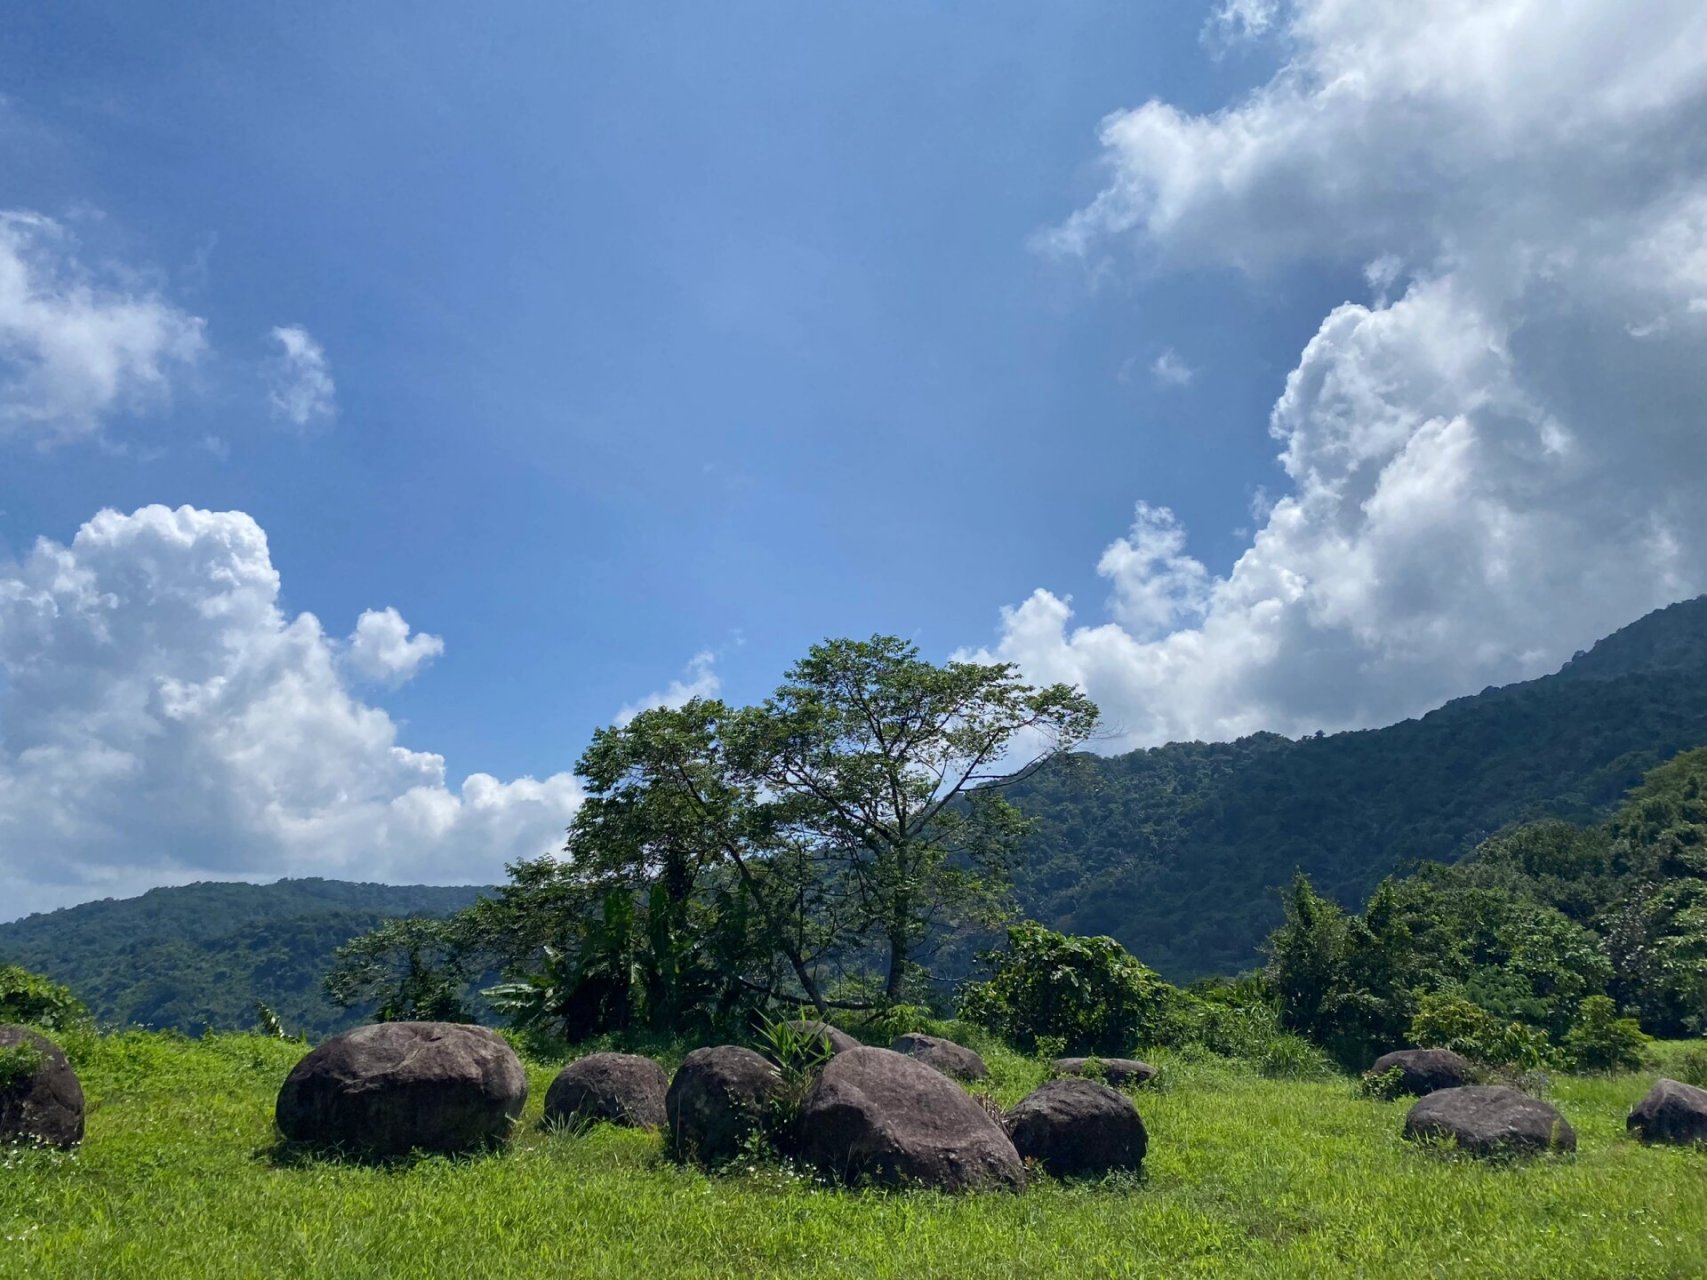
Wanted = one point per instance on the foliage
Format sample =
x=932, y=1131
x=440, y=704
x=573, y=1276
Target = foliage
x=1691, y=1068
x=1445, y=1020
x=1089, y=992
x=1175, y=851
x=1602, y=1041
x=198, y=956
x=1246, y=1177
x=734, y=859
x=18, y=1062
x=37, y=1001
x=408, y=969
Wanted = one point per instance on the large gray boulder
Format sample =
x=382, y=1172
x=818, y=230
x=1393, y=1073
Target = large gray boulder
x=1074, y=1127
x=1488, y=1120
x=1122, y=1073
x=396, y=1087
x=1672, y=1112
x=41, y=1102
x=947, y=1057
x=720, y=1098
x=620, y=1088
x=1422, y=1071
x=874, y=1115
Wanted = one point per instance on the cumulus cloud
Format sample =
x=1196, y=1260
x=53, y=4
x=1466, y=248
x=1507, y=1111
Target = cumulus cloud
x=1170, y=369
x=698, y=681
x=381, y=648
x=79, y=343
x=1498, y=455
x=1236, y=21
x=300, y=386
x=163, y=719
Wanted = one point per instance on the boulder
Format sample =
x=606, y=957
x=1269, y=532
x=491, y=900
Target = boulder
x=1073, y=1127
x=1122, y=1073
x=1423, y=1071
x=838, y=1040
x=947, y=1057
x=41, y=1101
x=1487, y=1120
x=621, y=1088
x=395, y=1087
x=720, y=1097
x=880, y=1116
x=1672, y=1112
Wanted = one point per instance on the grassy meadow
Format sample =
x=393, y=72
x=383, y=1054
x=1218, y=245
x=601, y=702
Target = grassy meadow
x=180, y=1177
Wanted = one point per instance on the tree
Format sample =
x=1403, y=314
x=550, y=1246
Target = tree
x=411, y=969
x=884, y=771
x=763, y=852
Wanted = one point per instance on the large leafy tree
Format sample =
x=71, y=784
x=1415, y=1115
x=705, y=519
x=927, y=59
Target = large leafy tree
x=884, y=771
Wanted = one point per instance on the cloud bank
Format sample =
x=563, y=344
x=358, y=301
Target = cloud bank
x=700, y=680
x=79, y=344
x=163, y=719
x=1497, y=456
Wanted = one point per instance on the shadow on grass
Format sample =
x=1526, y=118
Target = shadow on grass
x=282, y=1153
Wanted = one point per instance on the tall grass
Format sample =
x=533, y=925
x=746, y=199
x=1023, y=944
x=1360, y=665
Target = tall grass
x=1248, y=1176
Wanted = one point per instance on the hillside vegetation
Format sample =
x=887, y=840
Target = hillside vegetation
x=1178, y=852
x=180, y=1175
x=201, y=955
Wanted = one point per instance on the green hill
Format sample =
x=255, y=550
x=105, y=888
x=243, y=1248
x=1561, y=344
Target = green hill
x=1177, y=851
x=200, y=955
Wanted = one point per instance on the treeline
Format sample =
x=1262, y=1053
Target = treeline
x=1176, y=851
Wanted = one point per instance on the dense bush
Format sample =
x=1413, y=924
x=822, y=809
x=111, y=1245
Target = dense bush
x=1602, y=1041
x=30, y=998
x=1090, y=994
x=1446, y=1020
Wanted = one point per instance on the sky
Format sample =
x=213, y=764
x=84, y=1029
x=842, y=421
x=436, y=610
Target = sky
x=392, y=395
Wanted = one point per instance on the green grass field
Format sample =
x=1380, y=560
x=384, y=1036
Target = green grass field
x=179, y=1177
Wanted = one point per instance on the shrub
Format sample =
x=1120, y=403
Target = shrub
x=30, y=998
x=1292, y=1057
x=1602, y=1041
x=1448, y=1020
x=1692, y=1068
x=18, y=1063
x=1090, y=992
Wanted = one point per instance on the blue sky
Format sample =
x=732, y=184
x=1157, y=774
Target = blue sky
x=625, y=334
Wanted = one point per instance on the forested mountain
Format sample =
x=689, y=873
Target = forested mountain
x=1178, y=851
x=202, y=954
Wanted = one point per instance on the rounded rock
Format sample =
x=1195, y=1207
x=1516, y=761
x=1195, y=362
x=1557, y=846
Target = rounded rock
x=874, y=1115
x=1122, y=1073
x=1074, y=1127
x=947, y=1057
x=720, y=1098
x=1423, y=1071
x=1673, y=1112
x=619, y=1088
x=41, y=1101
x=1490, y=1120
x=394, y=1087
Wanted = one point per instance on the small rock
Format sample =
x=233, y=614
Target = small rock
x=41, y=1100
x=1073, y=1127
x=621, y=1088
x=1488, y=1120
x=1672, y=1112
x=1122, y=1073
x=721, y=1097
x=396, y=1087
x=1422, y=1071
x=880, y=1116
x=947, y=1057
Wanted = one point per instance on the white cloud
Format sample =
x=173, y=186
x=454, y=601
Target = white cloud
x=1235, y=21
x=162, y=719
x=381, y=649
x=1486, y=471
x=698, y=681
x=300, y=386
x=79, y=344
x=1170, y=369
